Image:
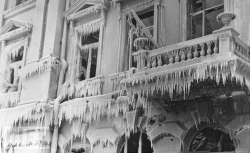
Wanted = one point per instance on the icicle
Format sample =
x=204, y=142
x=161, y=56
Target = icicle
x=88, y=46
x=40, y=67
x=90, y=27
x=22, y=114
x=88, y=109
x=86, y=12
x=9, y=99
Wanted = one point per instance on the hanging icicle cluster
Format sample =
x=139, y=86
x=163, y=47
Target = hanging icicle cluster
x=79, y=129
x=15, y=117
x=96, y=9
x=115, y=79
x=179, y=80
x=9, y=99
x=88, y=28
x=11, y=52
x=88, y=47
x=40, y=67
x=91, y=109
x=85, y=88
x=89, y=87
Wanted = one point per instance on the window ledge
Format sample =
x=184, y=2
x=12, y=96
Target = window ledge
x=19, y=9
x=9, y=99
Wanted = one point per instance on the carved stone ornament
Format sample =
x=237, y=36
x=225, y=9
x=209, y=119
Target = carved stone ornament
x=156, y=120
x=226, y=18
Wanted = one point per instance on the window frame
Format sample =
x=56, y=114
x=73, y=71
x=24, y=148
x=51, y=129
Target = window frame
x=140, y=7
x=202, y=12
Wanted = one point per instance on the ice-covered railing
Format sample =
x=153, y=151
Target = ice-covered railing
x=183, y=51
x=115, y=78
x=85, y=88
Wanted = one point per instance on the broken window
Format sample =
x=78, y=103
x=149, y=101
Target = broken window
x=88, y=56
x=211, y=140
x=202, y=14
x=141, y=24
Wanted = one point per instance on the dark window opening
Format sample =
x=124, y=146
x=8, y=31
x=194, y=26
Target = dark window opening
x=93, y=63
x=13, y=28
x=18, y=2
x=147, y=18
x=19, y=56
x=84, y=7
x=211, y=140
x=11, y=76
x=83, y=67
x=88, y=57
x=203, y=15
x=92, y=38
x=133, y=143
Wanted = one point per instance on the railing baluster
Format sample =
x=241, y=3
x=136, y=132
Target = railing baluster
x=149, y=63
x=171, y=59
x=216, y=50
x=196, y=53
x=190, y=54
x=203, y=53
x=159, y=60
x=177, y=57
x=209, y=50
x=154, y=61
x=183, y=56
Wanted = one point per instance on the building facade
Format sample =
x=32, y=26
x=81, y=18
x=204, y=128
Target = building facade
x=132, y=76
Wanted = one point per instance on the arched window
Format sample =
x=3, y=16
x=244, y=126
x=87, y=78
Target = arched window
x=211, y=140
x=202, y=17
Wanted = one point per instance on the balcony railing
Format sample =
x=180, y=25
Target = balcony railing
x=220, y=42
x=183, y=51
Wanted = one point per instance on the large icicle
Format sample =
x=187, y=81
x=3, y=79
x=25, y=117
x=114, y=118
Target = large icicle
x=40, y=67
x=25, y=114
x=90, y=27
x=91, y=109
x=89, y=46
x=179, y=80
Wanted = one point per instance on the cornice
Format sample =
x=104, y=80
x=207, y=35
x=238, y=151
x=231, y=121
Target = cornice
x=19, y=8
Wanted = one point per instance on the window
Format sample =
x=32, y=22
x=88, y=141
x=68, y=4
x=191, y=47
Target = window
x=88, y=56
x=202, y=16
x=147, y=18
x=141, y=23
x=211, y=140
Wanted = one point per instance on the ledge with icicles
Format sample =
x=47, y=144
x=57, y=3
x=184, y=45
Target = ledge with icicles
x=85, y=88
x=88, y=12
x=92, y=109
x=9, y=99
x=179, y=80
x=25, y=114
x=40, y=67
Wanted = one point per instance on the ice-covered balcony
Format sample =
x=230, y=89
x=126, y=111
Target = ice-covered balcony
x=220, y=57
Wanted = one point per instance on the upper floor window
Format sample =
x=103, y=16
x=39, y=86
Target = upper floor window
x=14, y=36
x=202, y=17
x=142, y=22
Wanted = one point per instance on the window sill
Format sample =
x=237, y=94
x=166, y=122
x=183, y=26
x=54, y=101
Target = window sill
x=19, y=9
